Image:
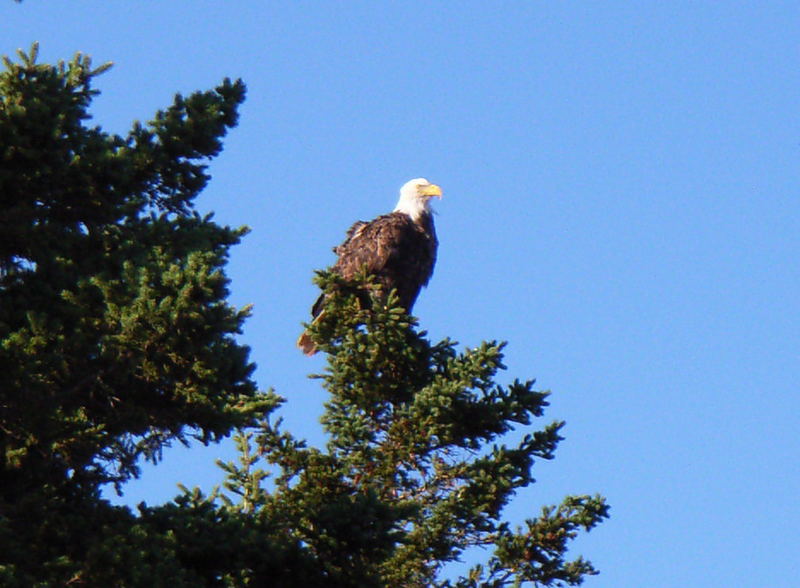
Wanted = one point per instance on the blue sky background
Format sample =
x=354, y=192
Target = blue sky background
x=621, y=205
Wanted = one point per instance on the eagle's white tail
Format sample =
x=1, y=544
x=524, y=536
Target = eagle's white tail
x=305, y=343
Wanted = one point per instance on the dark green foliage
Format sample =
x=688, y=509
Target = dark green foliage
x=415, y=471
x=116, y=339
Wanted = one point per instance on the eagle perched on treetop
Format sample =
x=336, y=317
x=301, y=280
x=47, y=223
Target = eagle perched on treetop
x=398, y=249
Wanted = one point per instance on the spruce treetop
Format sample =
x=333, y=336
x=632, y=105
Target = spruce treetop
x=113, y=320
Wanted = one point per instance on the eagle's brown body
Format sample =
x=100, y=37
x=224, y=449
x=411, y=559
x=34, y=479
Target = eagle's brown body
x=398, y=249
x=399, y=252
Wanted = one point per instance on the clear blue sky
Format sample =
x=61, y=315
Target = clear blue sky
x=621, y=204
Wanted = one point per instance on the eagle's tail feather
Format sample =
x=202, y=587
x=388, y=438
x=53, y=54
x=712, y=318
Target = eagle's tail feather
x=304, y=341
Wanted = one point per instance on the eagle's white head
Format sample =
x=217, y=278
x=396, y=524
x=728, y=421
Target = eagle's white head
x=415, y=196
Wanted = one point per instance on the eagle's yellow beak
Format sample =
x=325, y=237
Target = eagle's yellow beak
x=431, y=190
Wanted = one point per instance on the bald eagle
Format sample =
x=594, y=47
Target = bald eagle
x=398, y=248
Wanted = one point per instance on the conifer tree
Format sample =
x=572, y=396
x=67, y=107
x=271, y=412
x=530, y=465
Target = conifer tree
x=415, y=471
x=116, y=339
